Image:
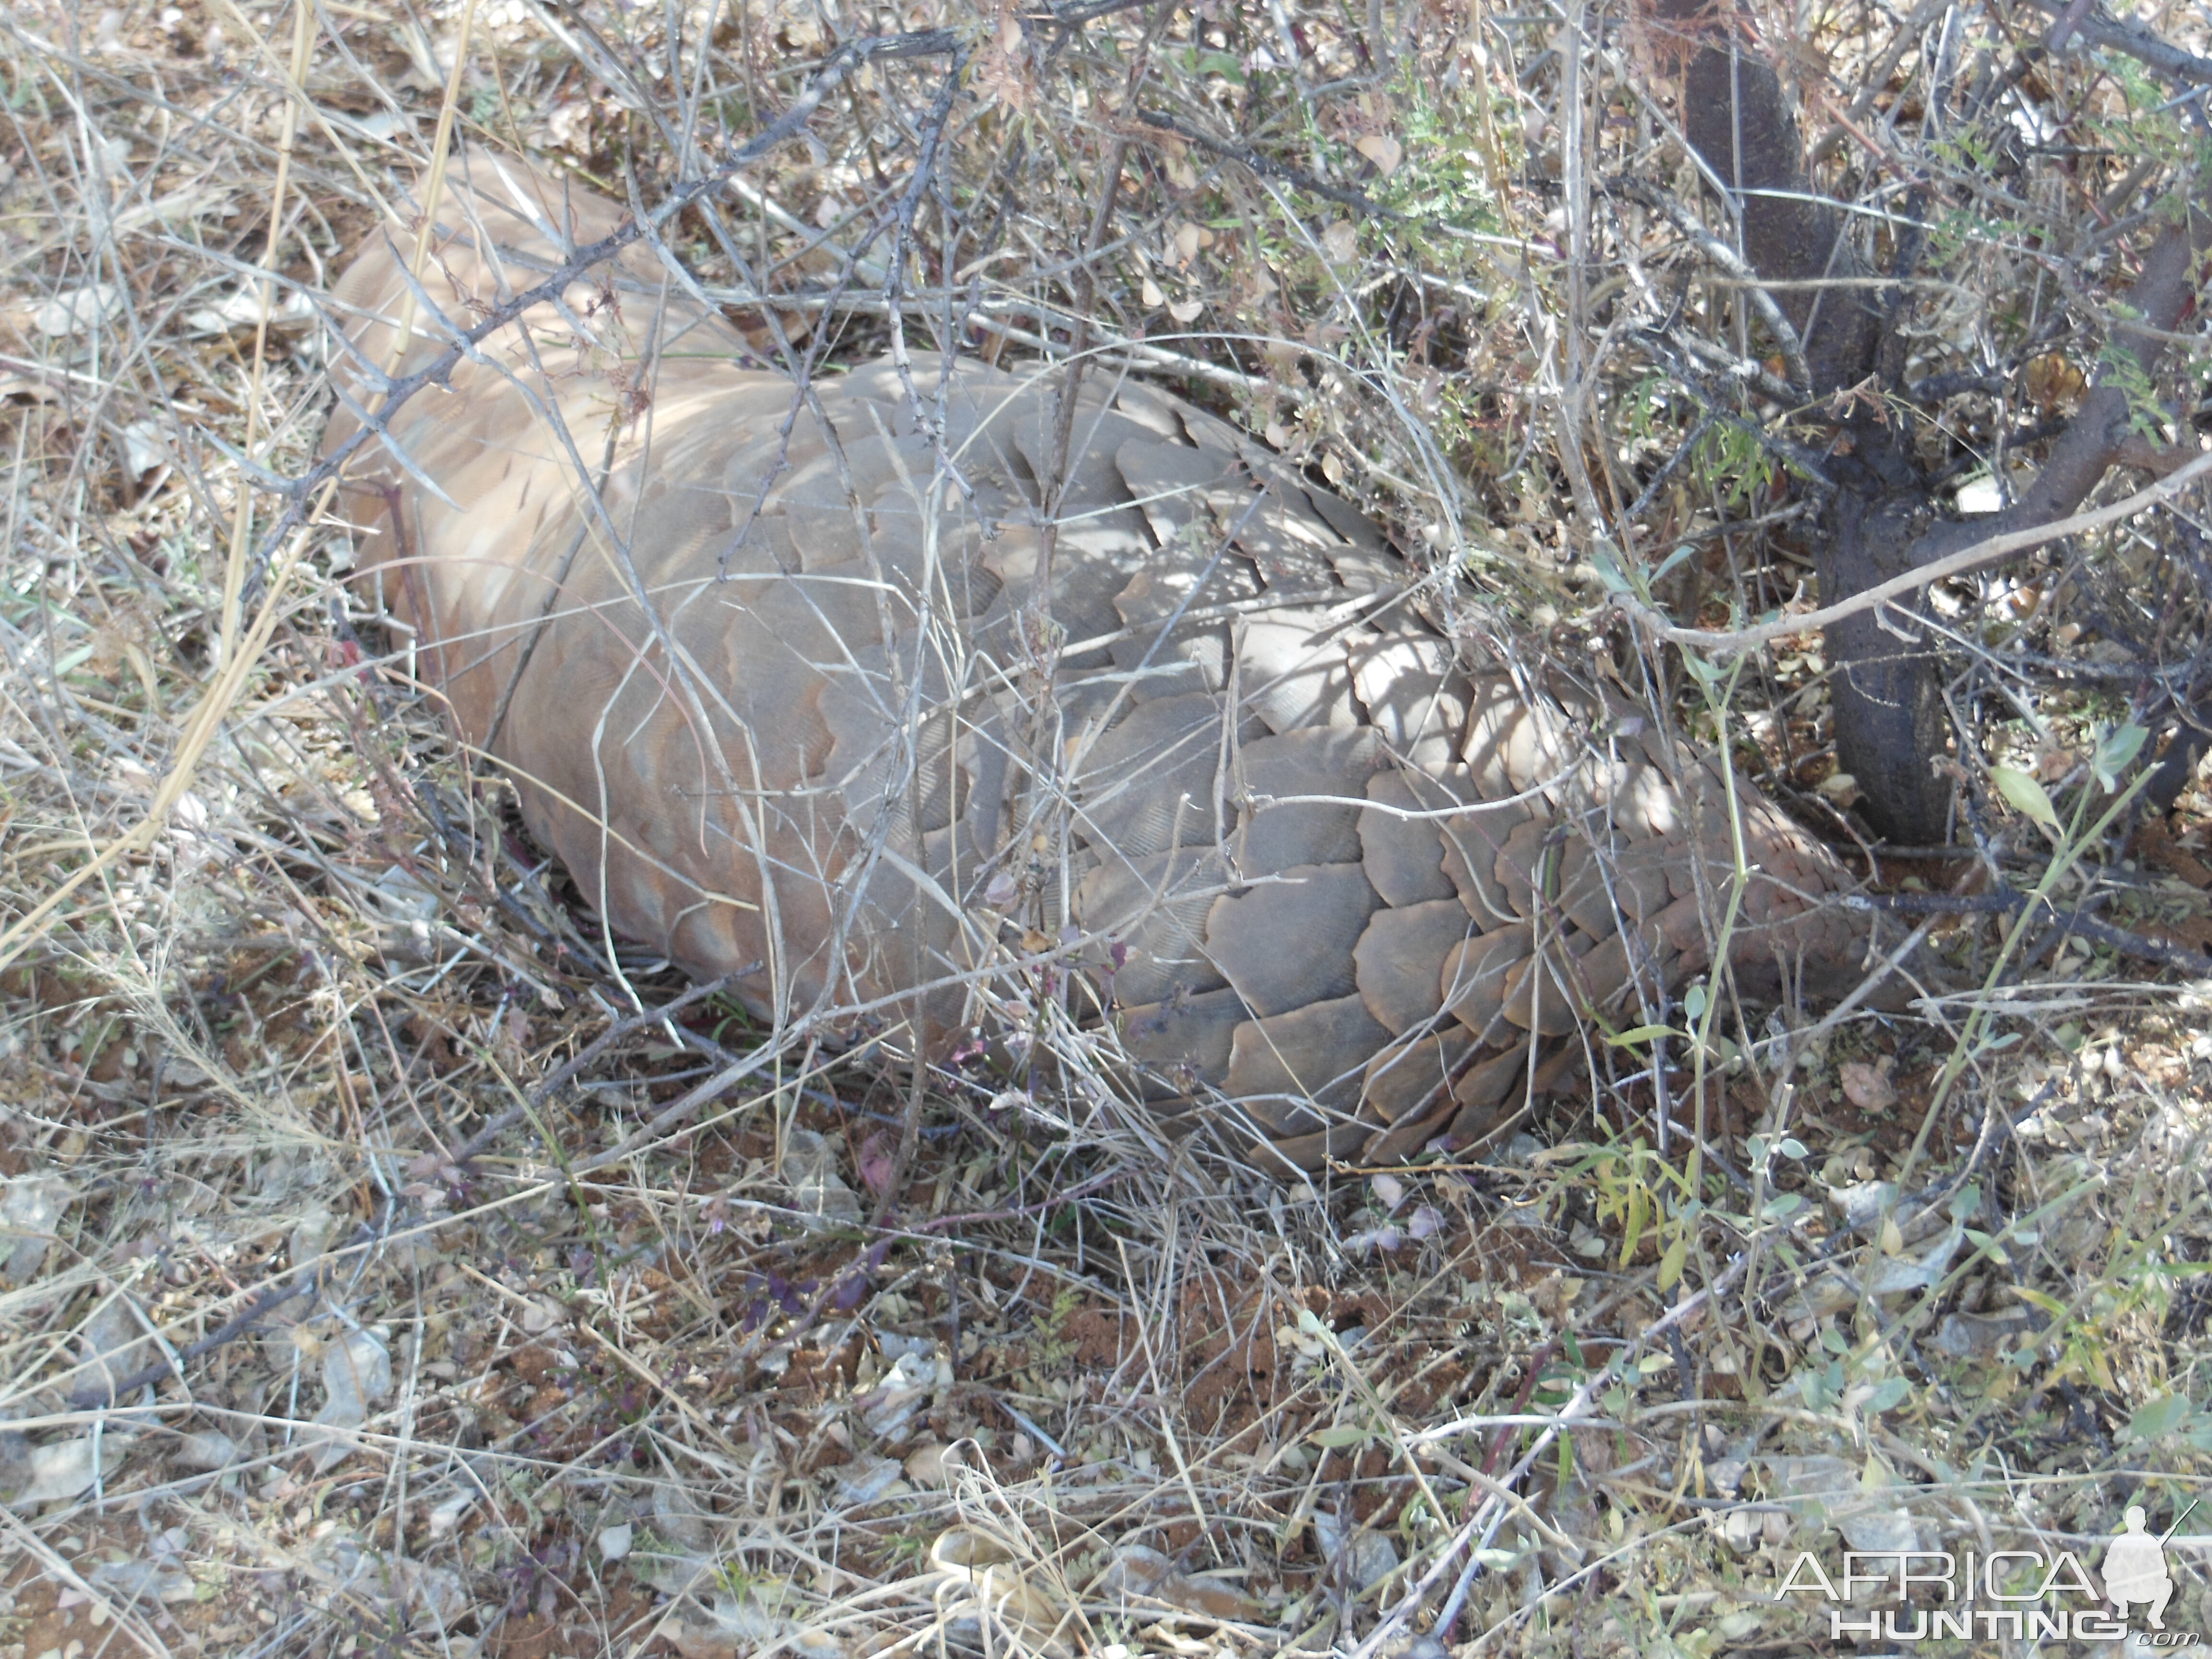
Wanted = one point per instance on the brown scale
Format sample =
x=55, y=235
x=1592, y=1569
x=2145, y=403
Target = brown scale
x=781, y=714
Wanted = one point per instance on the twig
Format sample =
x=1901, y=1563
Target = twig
x=272, y=1298
x=615, y=1033
x=2131, y=38
x=1343, y=195
x=1719, y=253
x=1486, y=1515
x=2006, y=902
x=1990, y=551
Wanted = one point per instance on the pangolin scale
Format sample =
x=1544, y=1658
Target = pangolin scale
x=775, y=677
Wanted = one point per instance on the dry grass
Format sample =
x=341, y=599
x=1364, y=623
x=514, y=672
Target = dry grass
x=276, y=952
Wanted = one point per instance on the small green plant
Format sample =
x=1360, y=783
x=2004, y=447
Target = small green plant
x=1054, y=1346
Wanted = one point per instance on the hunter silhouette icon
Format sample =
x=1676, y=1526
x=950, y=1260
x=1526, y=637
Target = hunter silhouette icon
x=2134, y=1569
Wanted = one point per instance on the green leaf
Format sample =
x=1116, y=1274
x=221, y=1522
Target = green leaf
x=1336, y=1439
x=1641, y=1033
x=2025, y=794
x=1688, y=549
x=1671, y=1264
x=1888, y=1393
x=1693, y=1003
x=2119, y=747
x=1216, y=62
x=1782, y=1204
x=2160, y=1418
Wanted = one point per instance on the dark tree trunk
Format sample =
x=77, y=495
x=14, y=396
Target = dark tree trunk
x=1883, y=517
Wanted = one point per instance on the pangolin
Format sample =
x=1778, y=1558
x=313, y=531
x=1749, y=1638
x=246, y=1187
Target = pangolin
x=862, y=695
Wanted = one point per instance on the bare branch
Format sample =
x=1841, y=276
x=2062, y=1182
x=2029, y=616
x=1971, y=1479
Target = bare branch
x=1992, y=549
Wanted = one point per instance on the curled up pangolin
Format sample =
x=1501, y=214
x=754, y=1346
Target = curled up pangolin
x=777, y=678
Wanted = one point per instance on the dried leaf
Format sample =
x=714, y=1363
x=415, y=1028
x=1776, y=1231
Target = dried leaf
x=1000, y=1591
x=61, y=1469
x=810, y=1166
x=877, y=1164
x=1866, y=1087
x=2051, y=381
x=933, y=1465
x=78, y=310
x=208, y=1448
x=1354, y=1552
x=143, y=1581
x=249, y=306
x=145, y=447
x=1383, y=150
x=357, y=1375
x=1140, y=1573
x=28, y=1213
